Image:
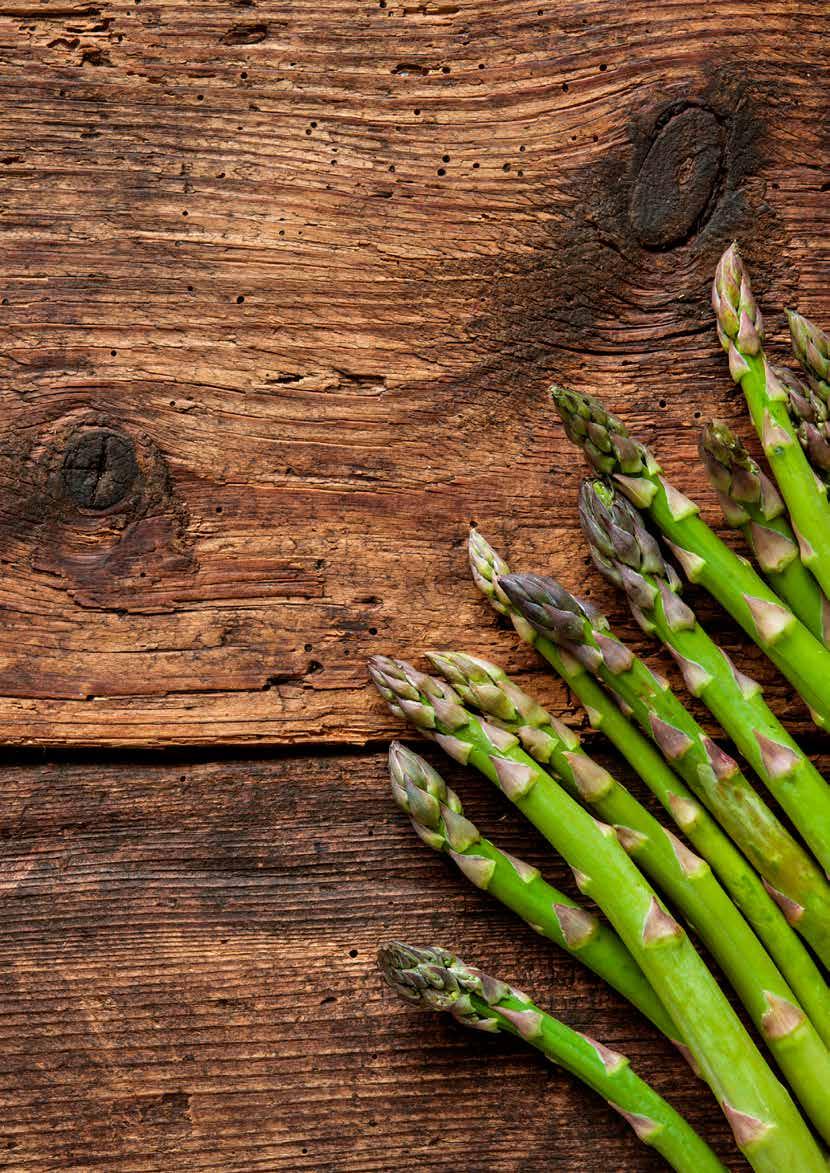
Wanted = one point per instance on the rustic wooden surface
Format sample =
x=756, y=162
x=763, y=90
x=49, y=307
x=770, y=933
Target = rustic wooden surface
x=282, y=287
x=230, y=235
x=188, y=982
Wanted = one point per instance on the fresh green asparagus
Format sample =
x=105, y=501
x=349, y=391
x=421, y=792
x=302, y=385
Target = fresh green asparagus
x=683, y=878
x=741, y=333
x=767, y=1126
x=582, y=632
x=434, y=979
x=751, y=503
x=810, y=417
x=741, y=881
x=811, y=346
x=438, y=819
x=704, y=558
x=628, y=556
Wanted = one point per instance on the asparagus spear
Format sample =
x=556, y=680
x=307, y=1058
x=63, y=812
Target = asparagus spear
x=742, y=883
x=764, y=1120
x=434, y=979
x=751, y=503
x=704, y=557
x=683, y=878
x=792, y=877
x=811, y=346
x=438, y=819
x=809, y=415
x=628, y=556
x=741, y=333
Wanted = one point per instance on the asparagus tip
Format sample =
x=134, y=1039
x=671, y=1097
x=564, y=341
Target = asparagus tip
x=622, y=548
x=811, y=346
x=487, y=569
x=739, y=321
x=432, y=978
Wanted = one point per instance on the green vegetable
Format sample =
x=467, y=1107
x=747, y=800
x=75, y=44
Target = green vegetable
x=764, y=1120
x=683, y=878
x=751, y=503
x=434, y=979
x=741, y=333
x=438, y=819
x=809, y=414
x=704, y=558
x=792, y=876
x=743, y=884
x=629, y=557
x=811, y=346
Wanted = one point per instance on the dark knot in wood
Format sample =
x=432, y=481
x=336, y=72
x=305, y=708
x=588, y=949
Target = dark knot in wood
x=679, y=180
x=99, y=468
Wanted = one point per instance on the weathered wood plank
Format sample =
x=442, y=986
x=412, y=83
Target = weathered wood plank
x=310, y=269
x=188, y=981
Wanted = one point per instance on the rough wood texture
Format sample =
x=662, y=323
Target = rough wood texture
x=283, y=285
x=188, y=982
x=282, y=289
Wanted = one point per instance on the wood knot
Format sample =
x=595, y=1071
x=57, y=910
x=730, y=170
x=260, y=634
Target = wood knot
x=99, y=468
x=679, y=181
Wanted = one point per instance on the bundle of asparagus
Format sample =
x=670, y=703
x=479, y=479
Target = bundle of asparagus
x=755, y=891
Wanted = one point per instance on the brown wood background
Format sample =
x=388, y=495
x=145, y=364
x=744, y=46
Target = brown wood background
x=282, y=287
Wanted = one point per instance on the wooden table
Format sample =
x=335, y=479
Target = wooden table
x=282, y=287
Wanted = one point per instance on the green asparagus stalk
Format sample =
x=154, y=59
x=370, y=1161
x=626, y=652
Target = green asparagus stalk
x=434, y=979
x=751, y=503
x=704, y=558
x=765, y=1122
x=811, y=419
x=438, y=819
x=683, y=878
x=741, y=881
x=741, y=333
x=628, y=556
x=811, y=346
x=792, y=876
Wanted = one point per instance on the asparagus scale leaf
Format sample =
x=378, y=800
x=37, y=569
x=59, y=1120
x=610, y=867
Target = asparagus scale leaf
x=792, y=876
x=705, y=559
x=741, y=333
x=751, y=503
x=765, y=1122
x=434, y=979
x=629, y=557
x=439, y=821
x=741, y=881
x=683, y=878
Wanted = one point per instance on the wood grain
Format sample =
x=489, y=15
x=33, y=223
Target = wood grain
x=282, y=288
x=188, y=981
x=315, y=267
